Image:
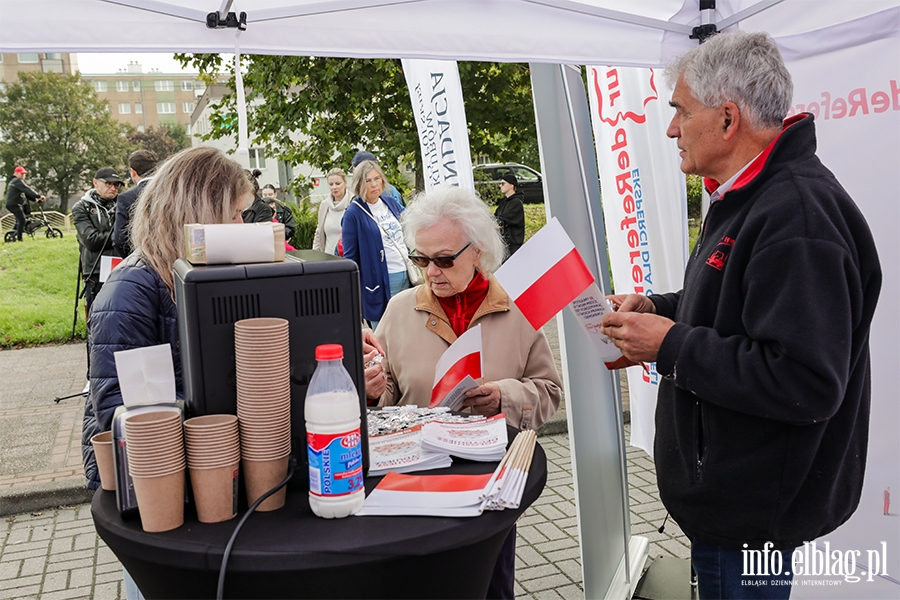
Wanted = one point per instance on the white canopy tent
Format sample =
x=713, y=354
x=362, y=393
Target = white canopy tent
x=837, y=50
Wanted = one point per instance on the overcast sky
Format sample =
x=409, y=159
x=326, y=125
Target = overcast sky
x=93, y=63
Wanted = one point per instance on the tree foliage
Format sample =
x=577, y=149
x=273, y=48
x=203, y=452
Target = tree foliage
x=164, y=141
x=56, y=126
x=343, y=105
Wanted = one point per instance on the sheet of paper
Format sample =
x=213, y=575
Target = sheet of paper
x=146, y=375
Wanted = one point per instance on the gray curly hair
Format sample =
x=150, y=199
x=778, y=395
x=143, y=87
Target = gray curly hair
x=448, y=203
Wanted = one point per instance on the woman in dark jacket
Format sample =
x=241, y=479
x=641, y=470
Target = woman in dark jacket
x=510, y=214
x=373, y=239
x=259, y=211
x=136, y=306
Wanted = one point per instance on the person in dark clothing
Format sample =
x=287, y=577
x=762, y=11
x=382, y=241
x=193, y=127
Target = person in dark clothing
x=259, y=211
x=510, y=213
x=283, y=213
x=142, y=164
x=94, y=217
x=763, y=409
x=18, y=196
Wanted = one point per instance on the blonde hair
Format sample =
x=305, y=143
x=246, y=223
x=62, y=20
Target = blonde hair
x=197, y=185
x=359, y=177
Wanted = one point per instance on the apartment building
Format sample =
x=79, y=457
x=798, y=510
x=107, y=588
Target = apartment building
x=47, y=62
x=149, y=99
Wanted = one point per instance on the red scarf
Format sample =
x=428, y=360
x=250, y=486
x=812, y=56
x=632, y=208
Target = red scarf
x=461, y=307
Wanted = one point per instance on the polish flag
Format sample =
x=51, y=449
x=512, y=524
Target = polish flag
x=462, y=358
x=107, y=264
x=545, y=274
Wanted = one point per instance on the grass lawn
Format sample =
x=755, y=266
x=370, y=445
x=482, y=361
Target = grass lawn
x=37, y=291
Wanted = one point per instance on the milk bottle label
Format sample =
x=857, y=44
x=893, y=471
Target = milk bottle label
x=335, y=463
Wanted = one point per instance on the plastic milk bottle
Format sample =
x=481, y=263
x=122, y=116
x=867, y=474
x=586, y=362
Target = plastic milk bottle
x=333, y=439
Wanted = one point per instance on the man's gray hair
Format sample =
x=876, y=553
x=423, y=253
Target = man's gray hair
x=744, y=68
x=449, y=204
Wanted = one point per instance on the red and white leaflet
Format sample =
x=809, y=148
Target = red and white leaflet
x=435, y=495
x=107, y=264
x=461, y=359
x=475, y=440
x=545, y=274
x=401, y=452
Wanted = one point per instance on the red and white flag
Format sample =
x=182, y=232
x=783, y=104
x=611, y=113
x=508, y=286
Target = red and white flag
x=107, y=264
x=461, y=359
x=545, y=274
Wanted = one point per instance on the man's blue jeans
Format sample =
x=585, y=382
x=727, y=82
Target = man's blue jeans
x=721, y=573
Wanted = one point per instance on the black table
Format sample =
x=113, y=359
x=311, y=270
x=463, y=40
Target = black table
x=291, y=553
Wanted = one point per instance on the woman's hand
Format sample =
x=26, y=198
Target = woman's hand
x=484, y=400
x=373, y=354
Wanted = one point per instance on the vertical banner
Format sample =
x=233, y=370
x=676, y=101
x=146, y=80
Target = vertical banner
x=855, y=96
x=644, y=204
x=437, y=103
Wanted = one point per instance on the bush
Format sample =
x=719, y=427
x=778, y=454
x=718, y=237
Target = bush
x=489, y=192
x=306, y=220
x=694, y=196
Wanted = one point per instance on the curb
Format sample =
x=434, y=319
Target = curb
x=44, y=496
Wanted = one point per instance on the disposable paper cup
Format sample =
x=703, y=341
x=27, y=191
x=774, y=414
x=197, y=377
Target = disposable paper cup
x=260, y=477
x=215, y=492
x=261, y=323
x=160, y=501
x=211, y=422
x=103, y=452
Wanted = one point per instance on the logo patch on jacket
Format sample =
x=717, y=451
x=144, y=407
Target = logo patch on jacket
x=719, y=256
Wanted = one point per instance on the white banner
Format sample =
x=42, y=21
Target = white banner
x=644, y=204
x=855, y=97
x=437, y=102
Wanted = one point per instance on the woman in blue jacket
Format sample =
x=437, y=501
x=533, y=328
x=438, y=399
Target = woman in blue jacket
x=136, y=306
x=373, y=239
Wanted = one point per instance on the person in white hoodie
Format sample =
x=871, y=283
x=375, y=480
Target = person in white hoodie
x=331, y=211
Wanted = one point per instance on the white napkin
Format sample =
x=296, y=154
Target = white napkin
x=146, y=375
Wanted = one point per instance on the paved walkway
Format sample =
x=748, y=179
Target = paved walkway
x=49, y=549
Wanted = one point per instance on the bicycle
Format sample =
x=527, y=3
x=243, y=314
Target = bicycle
x=34, y=224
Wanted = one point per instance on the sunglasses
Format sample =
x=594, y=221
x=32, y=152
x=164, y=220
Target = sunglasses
x=441, y=262
x=110, y=183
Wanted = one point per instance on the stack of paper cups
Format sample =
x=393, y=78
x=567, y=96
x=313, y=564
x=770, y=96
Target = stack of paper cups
x=156, y=464
x=213, y=456
x=262, y=356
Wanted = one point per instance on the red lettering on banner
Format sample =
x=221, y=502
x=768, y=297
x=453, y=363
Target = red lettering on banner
x=628, y=204
x=856, y=103
x=622, y=184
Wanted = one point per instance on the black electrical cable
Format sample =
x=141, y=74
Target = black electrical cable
x=221, y=587
x=663, y=526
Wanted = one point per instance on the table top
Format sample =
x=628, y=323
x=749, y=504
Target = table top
x=273, y=541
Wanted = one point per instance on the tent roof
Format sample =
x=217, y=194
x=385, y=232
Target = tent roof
x=644, y=33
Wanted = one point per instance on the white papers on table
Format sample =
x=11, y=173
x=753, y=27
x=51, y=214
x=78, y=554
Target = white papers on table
x=402, y=452
x=478, y=440
x=456, y=495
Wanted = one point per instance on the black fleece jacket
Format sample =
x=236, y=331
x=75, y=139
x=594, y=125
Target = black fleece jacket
x=762, y=422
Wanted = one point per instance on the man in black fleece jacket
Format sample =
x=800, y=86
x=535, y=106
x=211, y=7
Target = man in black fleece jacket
x=762, y=416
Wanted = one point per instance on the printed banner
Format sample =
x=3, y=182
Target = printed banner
x=437, y=104
x=644, y=204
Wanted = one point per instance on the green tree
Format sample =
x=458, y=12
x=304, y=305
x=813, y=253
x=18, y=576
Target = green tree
x=56, y=126
x=163, y=141
x=343, y=105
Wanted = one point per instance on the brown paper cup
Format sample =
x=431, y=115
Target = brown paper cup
x=160, y=501
x=262, y=476
x=215, y=493
x=103, y=451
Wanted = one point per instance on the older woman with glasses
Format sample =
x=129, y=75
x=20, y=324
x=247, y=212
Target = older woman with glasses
x=457, y=244
x=373, y=239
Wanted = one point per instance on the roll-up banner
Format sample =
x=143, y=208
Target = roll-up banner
x=644, y=204
x=854, y=94
x=437, y=103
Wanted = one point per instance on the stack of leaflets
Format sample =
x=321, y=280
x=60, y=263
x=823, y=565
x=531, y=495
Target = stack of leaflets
x=479, y=440
x=456, y=495
x=402, y=452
